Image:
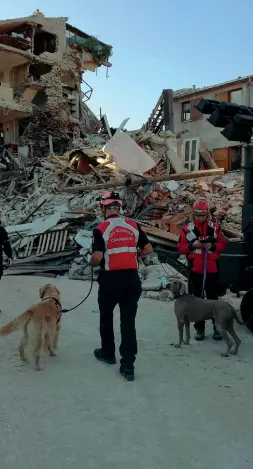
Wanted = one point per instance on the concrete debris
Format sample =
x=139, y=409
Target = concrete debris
x=127, y=155
x=50, y=195
x=171, y=204
x=162, y=146
x=51, y=231
x=25, y=177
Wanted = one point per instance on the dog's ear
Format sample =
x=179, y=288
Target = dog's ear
x=182, y=289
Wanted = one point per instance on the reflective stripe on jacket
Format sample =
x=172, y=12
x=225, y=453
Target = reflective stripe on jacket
x=121, y=237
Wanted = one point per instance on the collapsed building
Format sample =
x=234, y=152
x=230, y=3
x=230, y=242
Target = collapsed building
x=64, y=157
x=42, y=61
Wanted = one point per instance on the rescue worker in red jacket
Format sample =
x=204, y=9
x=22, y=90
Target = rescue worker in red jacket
x=196, y=237
x=116, y=244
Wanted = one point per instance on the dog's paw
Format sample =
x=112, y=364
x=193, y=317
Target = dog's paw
x=234, y=352
x=224, y=355
x=53, y=353
x=186, y=342
x=177, y=346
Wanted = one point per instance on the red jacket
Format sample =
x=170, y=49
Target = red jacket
x=121, y=237
x=191, y=233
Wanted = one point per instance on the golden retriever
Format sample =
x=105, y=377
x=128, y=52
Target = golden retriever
x=40, y=322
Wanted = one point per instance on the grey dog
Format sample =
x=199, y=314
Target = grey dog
x=189, y=308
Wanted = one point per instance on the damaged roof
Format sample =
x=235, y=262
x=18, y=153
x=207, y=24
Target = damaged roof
x=188, y=91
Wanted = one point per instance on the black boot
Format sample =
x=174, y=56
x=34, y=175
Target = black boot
x=216, y=334
x=102, y=357
x=200, y=335
x=127, y=374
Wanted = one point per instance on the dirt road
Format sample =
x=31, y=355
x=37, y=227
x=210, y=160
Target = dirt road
x=187, y=409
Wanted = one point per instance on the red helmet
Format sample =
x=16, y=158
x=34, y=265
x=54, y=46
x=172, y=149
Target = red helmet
x=111, y=198
x=200, y=206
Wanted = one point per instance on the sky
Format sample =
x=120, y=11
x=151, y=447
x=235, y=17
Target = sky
x=156, y=45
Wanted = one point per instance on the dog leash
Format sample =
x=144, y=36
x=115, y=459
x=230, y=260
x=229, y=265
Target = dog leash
x=205, y=271
x=67, y=310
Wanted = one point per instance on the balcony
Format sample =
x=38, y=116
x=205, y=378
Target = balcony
x=15, y=40
x=94, y=52
x=16, y=34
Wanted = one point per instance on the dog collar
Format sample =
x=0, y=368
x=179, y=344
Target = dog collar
x=58, y=304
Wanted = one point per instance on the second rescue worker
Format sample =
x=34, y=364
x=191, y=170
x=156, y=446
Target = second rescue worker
x=202, y=242
x=117, y=243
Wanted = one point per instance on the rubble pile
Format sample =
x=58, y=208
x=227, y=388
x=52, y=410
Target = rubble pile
x=162, y=147
x=155, y=276
x=24, y=178
x=50, y=220
x=174, y=202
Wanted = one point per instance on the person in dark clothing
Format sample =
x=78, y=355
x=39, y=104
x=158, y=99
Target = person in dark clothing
x=116, y=243
x=4, y=246
x=202, y=242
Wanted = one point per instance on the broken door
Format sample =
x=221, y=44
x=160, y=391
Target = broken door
x=221, y=157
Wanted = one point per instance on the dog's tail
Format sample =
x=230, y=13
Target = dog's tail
x=236, y=317
x=17, y=323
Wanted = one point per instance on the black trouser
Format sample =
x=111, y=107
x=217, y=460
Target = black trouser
x=211, y=290
x=122, y=288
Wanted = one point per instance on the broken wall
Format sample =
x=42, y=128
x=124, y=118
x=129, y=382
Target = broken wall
x=53, y=117
x=18, y=76
x=62, y=105
x=57, y=27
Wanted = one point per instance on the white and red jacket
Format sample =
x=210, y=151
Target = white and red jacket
x=120, y=237
x=192, y=232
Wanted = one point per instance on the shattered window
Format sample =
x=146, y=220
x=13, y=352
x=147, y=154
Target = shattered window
x=186, y=111
x=190, y=154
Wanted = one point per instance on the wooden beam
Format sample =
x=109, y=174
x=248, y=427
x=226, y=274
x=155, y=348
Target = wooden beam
x=160, y=233
x=164, y=177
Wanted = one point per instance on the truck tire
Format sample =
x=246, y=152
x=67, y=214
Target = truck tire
x=247, y=309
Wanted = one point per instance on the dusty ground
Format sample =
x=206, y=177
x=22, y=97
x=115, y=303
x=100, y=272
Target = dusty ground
x=187, y=409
